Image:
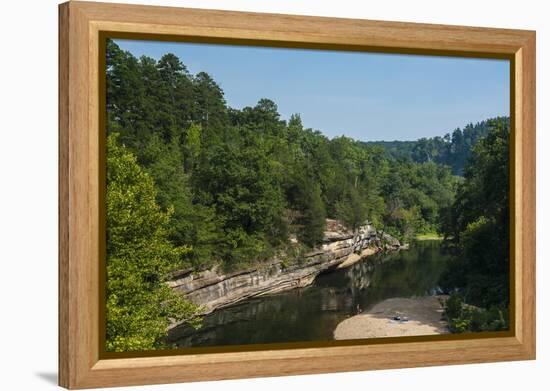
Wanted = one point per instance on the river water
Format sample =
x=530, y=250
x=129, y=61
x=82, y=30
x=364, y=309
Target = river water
x=312, y=313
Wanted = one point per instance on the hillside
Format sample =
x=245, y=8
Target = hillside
x=453, y=149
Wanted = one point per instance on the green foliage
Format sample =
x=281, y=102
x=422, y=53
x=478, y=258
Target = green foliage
x=477, y=224
x=453, y=307
x=191, y=224
x=238, y=182
x=139, y=258
x=242, y=181
x=453, y=149
x=192, y=145
x=464, y=318
x=351, y=209
x=312, y=219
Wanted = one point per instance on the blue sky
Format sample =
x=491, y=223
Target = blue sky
x=367, y=96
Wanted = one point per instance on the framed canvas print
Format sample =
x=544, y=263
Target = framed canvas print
x=247, y=195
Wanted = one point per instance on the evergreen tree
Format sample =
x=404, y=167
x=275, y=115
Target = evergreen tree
x=351, y=210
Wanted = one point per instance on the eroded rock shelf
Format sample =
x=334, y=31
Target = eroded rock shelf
x=341, y=247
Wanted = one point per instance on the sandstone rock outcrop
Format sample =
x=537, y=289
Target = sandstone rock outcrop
x=213, y=289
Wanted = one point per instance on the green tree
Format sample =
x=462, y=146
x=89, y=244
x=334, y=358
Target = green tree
x=238, y=181
x=305, y=198
x=478, y=223
x=209, y=106
x=191, y=224
x=192, y=145
x=351, y=209
x=140, y=305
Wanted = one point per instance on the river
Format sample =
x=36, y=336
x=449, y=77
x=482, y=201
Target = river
x=312, y=313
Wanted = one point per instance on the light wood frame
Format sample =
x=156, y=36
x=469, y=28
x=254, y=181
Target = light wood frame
x=80, y=25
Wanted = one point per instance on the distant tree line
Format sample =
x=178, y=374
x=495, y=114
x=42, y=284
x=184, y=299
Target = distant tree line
x=453, y=149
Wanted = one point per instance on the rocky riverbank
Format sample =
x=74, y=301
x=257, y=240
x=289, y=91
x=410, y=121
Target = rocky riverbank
x=341, y=247
x=396, y=317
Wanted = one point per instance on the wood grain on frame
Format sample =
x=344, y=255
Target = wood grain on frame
x=80, y=24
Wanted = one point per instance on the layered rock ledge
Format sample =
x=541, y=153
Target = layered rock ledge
x=341, y=247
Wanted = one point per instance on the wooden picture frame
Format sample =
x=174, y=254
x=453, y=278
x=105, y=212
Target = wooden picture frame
x=81, y=180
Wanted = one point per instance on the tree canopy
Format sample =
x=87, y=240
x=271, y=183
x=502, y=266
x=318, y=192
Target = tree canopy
x=453, y=149
x=242, y=182
x=477, y=226
x=139, y=303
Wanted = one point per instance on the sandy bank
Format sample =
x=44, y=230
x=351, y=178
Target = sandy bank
x=423, y=313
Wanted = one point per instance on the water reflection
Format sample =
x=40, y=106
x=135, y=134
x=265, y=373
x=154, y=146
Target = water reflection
x=312, y=313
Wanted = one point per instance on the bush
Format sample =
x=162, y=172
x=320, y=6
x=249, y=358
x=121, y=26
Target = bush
x=453, y=307
x=464, y=318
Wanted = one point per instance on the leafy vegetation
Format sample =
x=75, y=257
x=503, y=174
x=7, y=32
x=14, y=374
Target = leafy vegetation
x=477, y=227
x=462, y=317
x=242, y=182
x=453, y=149
x=140, y=256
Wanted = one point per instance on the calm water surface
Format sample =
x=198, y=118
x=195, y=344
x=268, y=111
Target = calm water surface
x=312, y=313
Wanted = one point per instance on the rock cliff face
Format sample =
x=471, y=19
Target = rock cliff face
x=340, y=248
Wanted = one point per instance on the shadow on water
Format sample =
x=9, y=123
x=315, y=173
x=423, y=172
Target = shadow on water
x=312, y=313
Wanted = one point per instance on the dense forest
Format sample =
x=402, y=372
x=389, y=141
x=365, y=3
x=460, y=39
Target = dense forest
x=193, y=182
x=476, y=226
x=453, y=149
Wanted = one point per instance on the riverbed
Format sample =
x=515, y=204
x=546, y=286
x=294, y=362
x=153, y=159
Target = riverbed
x=312, y=313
